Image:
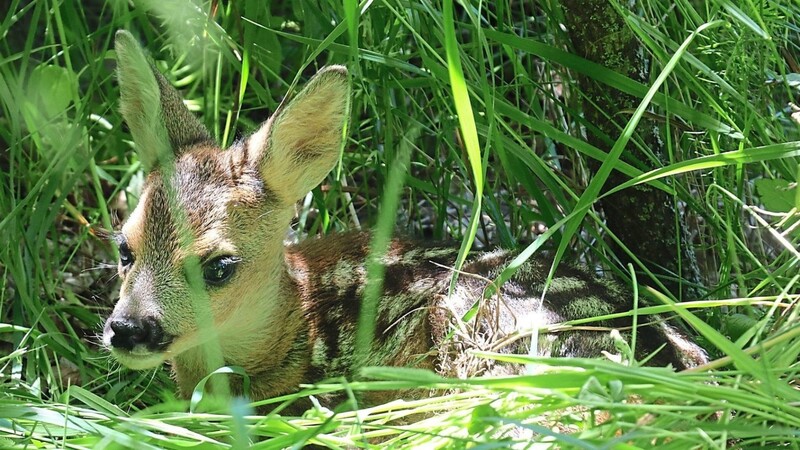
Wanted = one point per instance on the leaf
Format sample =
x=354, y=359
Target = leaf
x=792, y=79
x=777, y=195
x=737, y=324
x=51, y=89
x=478, y=423
x=198, y=393
x=96, y=402
x=400, y=374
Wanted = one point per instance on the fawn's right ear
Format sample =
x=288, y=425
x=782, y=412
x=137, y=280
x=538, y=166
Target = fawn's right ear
x=161, y=125
x=300, y=144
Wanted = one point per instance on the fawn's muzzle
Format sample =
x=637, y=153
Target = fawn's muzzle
x=129, y=332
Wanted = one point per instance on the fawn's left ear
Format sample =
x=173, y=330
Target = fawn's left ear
x=161, y=125
x=300, y=144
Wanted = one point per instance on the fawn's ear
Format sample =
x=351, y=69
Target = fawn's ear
x=160, y=123
x=300, y=144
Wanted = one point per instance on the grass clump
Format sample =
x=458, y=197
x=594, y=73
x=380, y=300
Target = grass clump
x=481, y=100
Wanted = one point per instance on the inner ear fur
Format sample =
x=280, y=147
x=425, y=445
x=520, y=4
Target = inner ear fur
x=161, y=125
x=300, y=144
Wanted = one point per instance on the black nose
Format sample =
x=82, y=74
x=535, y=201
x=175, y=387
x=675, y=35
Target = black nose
x=130, y=332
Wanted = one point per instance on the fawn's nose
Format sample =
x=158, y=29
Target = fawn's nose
x=128, y=332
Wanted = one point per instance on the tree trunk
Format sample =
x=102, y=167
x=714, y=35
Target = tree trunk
x=642, y=217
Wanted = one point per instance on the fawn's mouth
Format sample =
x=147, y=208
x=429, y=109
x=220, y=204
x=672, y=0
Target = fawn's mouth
x=138, y=359
x=142, y=356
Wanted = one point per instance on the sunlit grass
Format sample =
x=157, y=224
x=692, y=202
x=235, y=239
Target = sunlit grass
x=477, y=99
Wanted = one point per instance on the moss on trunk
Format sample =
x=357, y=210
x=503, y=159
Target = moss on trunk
x=642, y=217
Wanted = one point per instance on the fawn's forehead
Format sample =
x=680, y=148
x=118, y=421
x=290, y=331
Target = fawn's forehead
x=200, y=199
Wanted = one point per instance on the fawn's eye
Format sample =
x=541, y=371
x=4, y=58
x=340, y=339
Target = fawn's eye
x=125, y=255
x=219, y=270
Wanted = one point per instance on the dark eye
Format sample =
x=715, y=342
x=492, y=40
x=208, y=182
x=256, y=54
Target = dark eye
x=125, y=255
x=219, y=270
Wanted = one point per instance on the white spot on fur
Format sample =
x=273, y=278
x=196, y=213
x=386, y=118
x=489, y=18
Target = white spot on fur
x=319, y=353
x=492, y=256
x=343, y=276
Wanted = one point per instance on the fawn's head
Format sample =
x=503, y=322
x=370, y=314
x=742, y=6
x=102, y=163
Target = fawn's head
x=210, y=223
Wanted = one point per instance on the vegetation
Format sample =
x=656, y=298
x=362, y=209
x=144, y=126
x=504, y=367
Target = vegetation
x=483, y=99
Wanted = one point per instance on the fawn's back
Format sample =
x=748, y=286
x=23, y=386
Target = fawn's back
x=202, y=261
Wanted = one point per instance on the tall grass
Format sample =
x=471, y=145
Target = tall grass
x=480, y=98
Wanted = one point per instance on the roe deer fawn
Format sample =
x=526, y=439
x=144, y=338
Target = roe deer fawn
x=288, y=315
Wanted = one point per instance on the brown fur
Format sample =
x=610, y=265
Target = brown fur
x=289, y=315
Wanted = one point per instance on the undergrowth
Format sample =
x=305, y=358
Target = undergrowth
x=483, y=98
